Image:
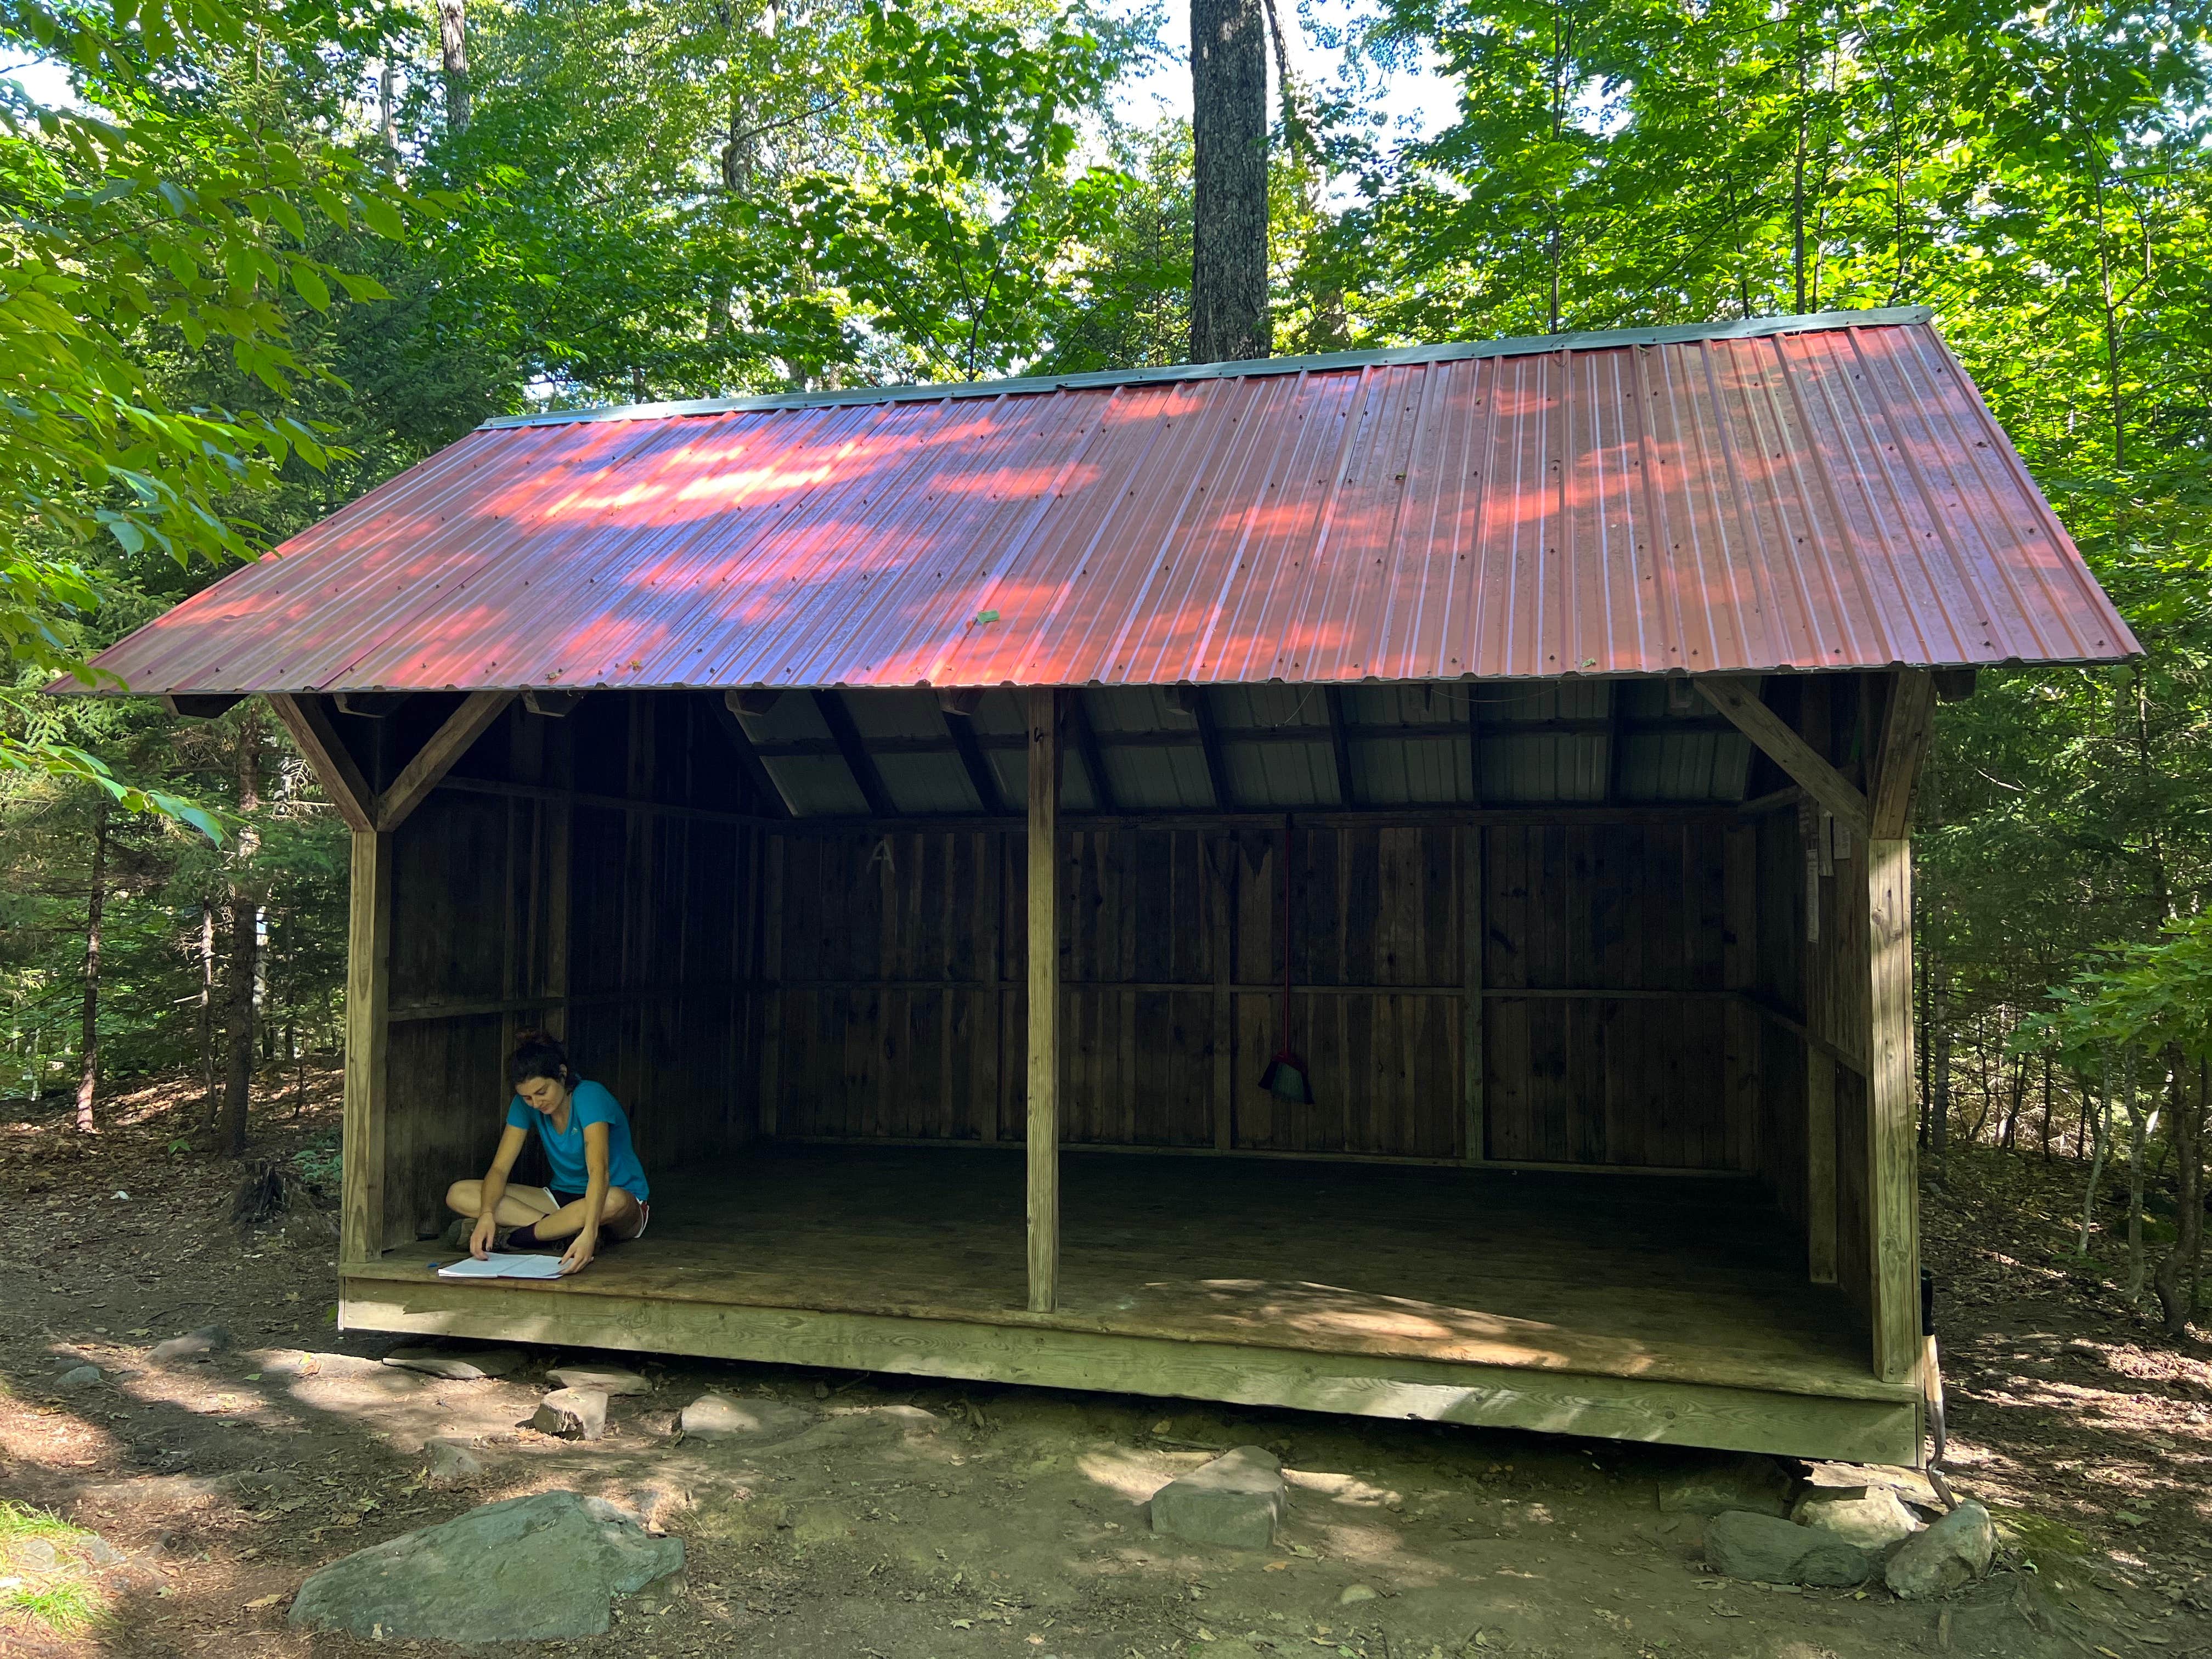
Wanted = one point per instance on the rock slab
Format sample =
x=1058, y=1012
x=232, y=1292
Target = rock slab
x=761, y=1422
x=1772, y=1550
x=572, y=1413
x=1873, y=1518
x=1747, y=1482
x=537, y=1569
x=77, y=1378
x=607, y=1379
x=1237, y=1499
x=1950, y=1555
x=455, y=1364
x=199, y=1345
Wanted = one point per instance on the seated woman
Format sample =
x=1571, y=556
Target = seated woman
x=598, y=1183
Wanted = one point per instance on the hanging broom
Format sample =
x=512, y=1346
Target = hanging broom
x=1286, y=1077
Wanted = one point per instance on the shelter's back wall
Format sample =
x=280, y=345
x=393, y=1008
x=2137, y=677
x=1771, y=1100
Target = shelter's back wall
x=583, y=874
x=895, y=971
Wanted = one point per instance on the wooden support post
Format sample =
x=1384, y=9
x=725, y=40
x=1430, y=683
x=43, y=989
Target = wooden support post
x=1826, y=969
x=1221, y=862
x=436, y=758
x=1819, y=1164
x=1892, y=1192
x=1044, y=1002
x=1906, y=729
x=1740, y=703
x=1473, y=1055
x=368, y=993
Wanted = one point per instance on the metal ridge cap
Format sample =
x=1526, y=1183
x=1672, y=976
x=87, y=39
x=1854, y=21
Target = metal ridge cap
x=1676, y=334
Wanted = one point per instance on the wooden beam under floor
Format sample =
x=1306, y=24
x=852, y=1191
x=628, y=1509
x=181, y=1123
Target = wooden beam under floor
x=1044, y=1127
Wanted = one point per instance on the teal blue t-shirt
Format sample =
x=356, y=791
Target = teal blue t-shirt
x=588, y=1103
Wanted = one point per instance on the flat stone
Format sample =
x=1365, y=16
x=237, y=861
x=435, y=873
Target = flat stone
x=1744, y=1481
x=38, y=1554
x=1352, y=1593
x=536, y=1568
x=450, y=1464
x=1872, y=1517
x=456, y=1364
x=572, y=1413
x=759, y=1422
x=292, y=1364
x=77, y=1378
x=1950, y=1555
x=607, y=1379
x=1237, y=1499
x=1772, y=1550
x=194, y=1346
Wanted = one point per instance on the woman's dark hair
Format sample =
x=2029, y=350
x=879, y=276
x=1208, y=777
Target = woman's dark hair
x=537, y=1054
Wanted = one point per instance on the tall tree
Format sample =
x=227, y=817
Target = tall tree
x=1229, y=316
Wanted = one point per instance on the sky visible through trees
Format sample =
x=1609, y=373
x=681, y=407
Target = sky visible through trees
x=257, y=261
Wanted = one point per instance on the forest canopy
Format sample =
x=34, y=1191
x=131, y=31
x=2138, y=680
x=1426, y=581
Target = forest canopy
x=263, y=256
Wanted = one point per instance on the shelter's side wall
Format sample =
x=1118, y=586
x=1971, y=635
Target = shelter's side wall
x=584, y=874
x=1614, y=1021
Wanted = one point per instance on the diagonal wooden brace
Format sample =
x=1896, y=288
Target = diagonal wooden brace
x=1740, y=701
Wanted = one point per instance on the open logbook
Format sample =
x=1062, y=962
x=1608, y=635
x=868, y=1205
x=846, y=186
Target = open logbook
x=503, y=1266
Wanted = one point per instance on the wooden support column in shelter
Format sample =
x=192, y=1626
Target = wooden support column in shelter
x=1043, y=1089
x=1893, y=1186
x=1820, y=1025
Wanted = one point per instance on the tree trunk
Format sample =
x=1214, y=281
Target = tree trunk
x=453, y=63
x=2176, y=1283
x=1939, y=1109
x=2100, y=1134
x=87, y=1077
x=1228, y=198
x=2141, y=1126
x=208, y=1109
x=242, y=972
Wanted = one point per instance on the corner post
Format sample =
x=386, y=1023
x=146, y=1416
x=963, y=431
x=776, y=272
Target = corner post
x=1892, y=1185
x=1043, y=1208
x=368, y=990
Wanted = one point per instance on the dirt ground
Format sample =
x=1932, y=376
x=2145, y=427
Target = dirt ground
x=919, y=1520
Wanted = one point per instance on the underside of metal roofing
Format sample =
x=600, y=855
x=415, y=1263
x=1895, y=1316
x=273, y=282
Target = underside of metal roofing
x=1801, y=494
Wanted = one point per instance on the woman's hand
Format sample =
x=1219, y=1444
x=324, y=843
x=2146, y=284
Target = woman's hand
x=484, y=1236
x=578, y=1255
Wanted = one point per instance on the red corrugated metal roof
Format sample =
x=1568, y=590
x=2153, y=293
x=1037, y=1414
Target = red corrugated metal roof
x=1800, y=493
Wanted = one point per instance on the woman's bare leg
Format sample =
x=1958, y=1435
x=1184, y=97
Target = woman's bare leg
x=620, y=1214
x=518, y=1206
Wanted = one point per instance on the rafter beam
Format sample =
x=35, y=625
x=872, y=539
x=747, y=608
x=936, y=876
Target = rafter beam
x=436, y=758
x=858, y=761
x=1194, y=702
x=764, y=786
x=1906, y=731
x=974, y=761
x=1740, y=701
x=1086, y=745
x=1339, y=746
x=331, y=761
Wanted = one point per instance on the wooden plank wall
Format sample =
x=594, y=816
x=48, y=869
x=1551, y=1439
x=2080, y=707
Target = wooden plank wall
x=524, y=895
x=1779, y=983
x=1614, y=955
x=1614, y=1036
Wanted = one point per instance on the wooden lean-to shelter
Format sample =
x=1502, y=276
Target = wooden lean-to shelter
x=911, y=802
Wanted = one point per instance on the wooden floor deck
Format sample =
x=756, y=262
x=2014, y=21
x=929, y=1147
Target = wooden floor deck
x=1661, y=1308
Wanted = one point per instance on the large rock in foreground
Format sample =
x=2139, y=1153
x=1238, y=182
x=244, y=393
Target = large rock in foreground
x=1950, y=1555
x=536, y=1568
x=1237, y=1499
